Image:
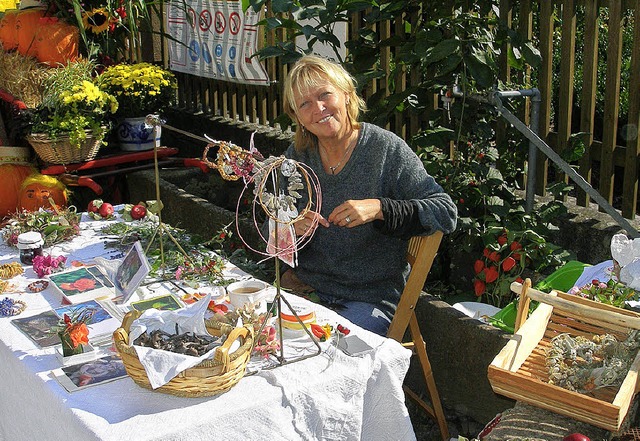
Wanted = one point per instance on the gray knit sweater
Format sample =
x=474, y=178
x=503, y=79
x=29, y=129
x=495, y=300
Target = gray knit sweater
x=360, y=263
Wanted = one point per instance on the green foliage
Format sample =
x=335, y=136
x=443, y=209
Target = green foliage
x=611, y=293
x=72, y=104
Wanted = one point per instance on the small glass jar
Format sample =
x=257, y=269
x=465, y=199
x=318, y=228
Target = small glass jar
x=30, y=245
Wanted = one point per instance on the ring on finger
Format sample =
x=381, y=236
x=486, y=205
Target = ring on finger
x=347, y=219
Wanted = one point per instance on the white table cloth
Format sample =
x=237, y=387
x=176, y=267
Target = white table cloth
x=328, y=397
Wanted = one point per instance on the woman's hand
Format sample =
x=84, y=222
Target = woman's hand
x=352, y=213
x=309, y=223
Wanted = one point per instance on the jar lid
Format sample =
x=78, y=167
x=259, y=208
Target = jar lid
x=30, y=240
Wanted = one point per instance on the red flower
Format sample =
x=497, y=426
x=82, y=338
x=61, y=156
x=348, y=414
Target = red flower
x=494, y=256
x=79, y=334
x=479, y=287
x=502, y=239
x=461, y=201
x=516, y=256
x=519, y=279
x=490, y=274
x=478, y=266
x=508, y=263
x=486, y=252
x=84, y=284
x=515, y=246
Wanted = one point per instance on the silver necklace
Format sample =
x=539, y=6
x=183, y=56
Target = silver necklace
x=346, y=152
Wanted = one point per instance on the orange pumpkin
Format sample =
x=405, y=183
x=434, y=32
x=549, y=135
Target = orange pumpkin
x=56, y=42
x=11, y=178
x=8, y=35
x=27, y=23
x=37, y=189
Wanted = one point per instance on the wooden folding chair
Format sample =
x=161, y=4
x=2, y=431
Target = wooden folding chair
x=421, y=253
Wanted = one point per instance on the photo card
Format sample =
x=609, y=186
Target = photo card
x=131, y=272
x=102, y=323
x=90, y=373
x=38, y=328
x=166, y=302
x=82, y=284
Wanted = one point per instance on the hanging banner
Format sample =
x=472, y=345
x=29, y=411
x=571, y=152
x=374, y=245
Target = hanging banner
x=214, y=39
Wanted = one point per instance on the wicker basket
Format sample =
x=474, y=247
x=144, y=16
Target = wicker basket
x=211, y=377
x=60, y=150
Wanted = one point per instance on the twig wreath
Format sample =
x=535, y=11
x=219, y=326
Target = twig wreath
x=277, y=200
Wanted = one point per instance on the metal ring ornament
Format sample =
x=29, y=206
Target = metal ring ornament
x=347, y=219
x=261, y=193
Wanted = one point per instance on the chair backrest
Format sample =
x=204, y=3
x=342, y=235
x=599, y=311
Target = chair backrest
x=421, y=253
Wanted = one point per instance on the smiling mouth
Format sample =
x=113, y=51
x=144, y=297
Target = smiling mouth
x=325, y=119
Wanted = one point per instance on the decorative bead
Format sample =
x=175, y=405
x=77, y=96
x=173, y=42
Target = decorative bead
x=38, y=285
x=9, y=307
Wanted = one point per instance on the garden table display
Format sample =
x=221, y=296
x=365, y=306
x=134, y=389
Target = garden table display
x=332, y=395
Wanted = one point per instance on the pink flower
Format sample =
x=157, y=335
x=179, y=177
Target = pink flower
x=45, y=265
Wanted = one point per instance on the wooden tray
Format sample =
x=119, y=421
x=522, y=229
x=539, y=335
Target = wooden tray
x=519, y=370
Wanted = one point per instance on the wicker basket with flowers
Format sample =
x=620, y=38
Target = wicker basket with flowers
x=70, y=123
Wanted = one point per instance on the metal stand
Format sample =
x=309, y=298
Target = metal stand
x=276, y=307
x=154, y=120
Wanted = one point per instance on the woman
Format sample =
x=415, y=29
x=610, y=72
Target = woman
x=376, y=194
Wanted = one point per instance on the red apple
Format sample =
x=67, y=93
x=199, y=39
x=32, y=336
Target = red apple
x=575, y=437
x=138, y=211
x=106, y=210
x=94, y=206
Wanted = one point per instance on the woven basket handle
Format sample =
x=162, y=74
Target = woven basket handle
x=122, y=333
x=222, y=353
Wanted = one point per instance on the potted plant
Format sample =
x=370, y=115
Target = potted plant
x=73, y=331
x=70, y=123
x=140, y=89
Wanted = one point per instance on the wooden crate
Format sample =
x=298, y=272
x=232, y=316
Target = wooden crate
x=519, y=370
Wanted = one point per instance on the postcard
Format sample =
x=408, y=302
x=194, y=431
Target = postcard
x=133, y=269
x=102, y=323
x=82, y=284
x=165, y=302
x=90, y=373
x=38, y=328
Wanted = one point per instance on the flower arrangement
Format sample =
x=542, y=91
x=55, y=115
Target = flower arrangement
x=72, y=105
x=55, y=226
x=611, y=293
x=46, y=265
x=73, y=330
x=198, y=268
x=110, y=30
x=74, y=111
x=140, y=88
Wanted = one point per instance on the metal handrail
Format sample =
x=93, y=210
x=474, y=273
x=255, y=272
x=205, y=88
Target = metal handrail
x=535, y=142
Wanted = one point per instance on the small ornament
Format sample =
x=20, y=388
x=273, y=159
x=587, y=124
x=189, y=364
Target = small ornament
x=10, y=307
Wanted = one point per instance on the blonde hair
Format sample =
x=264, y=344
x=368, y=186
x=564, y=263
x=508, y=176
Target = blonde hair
x=309, y=72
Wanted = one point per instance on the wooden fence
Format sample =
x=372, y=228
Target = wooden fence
x=610, y=162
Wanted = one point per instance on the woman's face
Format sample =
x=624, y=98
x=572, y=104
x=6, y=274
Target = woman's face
x=322, y=111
